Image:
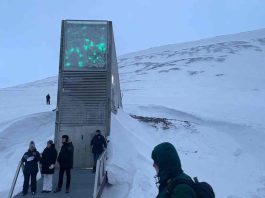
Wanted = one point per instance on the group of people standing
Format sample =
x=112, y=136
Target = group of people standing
x=47, y=160
x=172, y=180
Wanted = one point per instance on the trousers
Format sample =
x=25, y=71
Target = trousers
x=47, y=182
x=29, y=176
x=68, y=177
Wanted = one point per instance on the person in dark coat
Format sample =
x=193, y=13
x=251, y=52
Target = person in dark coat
x=168, y=167
x=48, y=160
x=48, y=99
x=30, y=160
x=65, y=160
x=98, y=144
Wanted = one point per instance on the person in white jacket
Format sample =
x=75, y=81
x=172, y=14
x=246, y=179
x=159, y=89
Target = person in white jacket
x=48, y=160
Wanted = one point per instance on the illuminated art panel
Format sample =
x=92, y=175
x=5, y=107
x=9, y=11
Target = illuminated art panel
x=85, y=45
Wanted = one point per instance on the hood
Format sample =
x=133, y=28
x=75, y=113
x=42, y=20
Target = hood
x=167, y=159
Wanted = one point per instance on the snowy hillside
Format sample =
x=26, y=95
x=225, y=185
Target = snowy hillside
x=212, y=91
x=218, y=85
x=212, y=78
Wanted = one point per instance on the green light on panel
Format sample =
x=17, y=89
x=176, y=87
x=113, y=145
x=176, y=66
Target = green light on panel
x=77, y=50
x=80, y=64
x=101, y=47
x=85, y=47
x=68, y=64
x=72, y=49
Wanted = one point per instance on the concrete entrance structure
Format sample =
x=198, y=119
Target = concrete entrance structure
x=88, y=91
x=88, y=85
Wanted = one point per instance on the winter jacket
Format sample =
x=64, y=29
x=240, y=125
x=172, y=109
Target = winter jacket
x=98, y=144
x=179, y=191
x=167, y=159
x=30, y=160
x=49, y=156
x=66, y=155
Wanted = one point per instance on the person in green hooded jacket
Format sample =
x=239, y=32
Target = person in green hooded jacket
x=168, y=168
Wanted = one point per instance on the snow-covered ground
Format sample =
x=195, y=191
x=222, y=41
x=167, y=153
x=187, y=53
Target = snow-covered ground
x=23, y=117
x=216, y=85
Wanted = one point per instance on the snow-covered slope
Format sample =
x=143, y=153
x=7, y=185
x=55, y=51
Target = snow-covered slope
x=212, y=78
x=217, y=85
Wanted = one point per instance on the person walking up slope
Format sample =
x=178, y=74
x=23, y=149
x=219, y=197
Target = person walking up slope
x=65, y=160
x=48, y=99
x=30, y=160
x=48, y=160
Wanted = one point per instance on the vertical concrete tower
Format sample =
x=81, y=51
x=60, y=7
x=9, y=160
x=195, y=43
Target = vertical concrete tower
x=88, y=85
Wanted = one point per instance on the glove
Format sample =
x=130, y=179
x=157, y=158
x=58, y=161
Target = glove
x=51, y=166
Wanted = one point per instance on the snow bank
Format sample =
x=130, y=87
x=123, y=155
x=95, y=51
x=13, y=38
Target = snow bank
x=14, y=141
x=206, y=151
x=129, y=164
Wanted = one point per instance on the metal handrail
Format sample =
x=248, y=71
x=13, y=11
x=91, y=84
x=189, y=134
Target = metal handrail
x=100, y=176
x=11, y=191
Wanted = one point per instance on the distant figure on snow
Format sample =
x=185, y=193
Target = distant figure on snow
x=98, y=144
x=65, y=160
x=48, y=160
x=30, y=160
x=48, y=99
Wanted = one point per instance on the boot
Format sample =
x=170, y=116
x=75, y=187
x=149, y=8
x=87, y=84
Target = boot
x=57, y=190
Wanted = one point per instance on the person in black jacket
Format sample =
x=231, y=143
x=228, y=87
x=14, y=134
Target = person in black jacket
x=48, y=160
x=65, y=160
x=98, y=144
x=30, y=160
x=48, y=99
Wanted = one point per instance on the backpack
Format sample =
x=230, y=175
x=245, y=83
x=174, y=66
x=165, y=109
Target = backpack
x=202, y=189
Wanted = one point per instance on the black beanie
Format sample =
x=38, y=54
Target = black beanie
x=66, y=137
x=50, y=142
x=32, y=144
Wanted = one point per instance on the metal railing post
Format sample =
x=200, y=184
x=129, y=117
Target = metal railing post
x=10, y=194
x=100, y=174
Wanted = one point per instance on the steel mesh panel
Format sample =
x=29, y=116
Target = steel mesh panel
x=85, y=46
